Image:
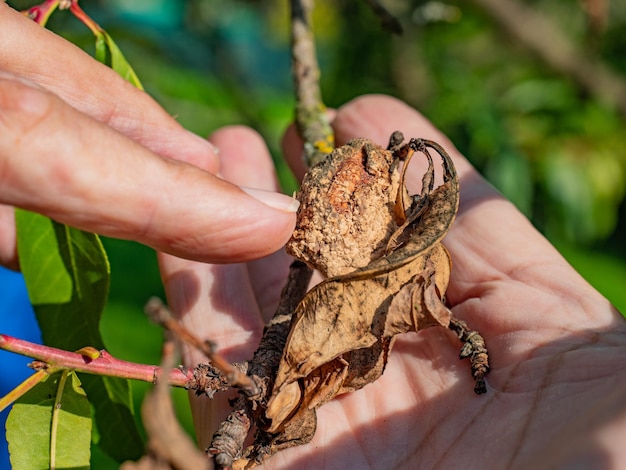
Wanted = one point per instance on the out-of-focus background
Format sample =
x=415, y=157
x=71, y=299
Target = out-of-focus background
x=529, y=90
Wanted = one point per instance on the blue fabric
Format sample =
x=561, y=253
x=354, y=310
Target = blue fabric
x=16, y=319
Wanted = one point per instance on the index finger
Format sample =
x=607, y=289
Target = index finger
x=63, y=164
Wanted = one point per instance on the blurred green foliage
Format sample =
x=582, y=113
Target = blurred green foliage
x=548, y=146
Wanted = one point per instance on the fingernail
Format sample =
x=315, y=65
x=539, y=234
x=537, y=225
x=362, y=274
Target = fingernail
x=272, y=199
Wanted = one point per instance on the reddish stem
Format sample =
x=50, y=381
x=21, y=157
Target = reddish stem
x=104, y=364
x=79, y=13
x=40, y=13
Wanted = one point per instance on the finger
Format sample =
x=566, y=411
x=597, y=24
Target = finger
x=37, y=54
x=58, y=162
x=220, y=300
x=251, y=165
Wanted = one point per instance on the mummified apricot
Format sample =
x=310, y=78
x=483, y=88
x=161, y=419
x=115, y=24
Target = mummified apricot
x=346, y=212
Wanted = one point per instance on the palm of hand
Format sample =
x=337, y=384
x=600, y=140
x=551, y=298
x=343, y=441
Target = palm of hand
x=554, y=344
x=544, y=349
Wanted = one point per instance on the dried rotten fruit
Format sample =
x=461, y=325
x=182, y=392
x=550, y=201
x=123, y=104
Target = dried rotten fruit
x=346, y=209
x=387, y=273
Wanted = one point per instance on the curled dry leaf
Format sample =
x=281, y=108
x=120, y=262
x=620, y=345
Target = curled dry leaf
x=387, y=273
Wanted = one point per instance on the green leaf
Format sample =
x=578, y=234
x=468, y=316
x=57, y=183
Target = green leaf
x=102, y=51
x=67, y=276
x=32, y=426
x=109, y=54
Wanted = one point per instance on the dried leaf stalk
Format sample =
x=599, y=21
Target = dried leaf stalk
x=169, y=447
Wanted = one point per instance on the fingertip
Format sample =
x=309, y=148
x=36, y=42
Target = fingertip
x=232, y=139
x=256, y=231
x=233, y=134
x=251, y=221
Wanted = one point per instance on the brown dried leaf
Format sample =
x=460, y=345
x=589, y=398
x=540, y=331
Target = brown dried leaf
x=342, y=330
x=340, y=325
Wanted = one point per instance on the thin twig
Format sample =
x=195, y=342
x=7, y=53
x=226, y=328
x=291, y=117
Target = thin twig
x=266, y=358
x=159, y=313
x=228, y=440
x=311, y=119
x=168, y=442
x=79, y=13
x=22, y=388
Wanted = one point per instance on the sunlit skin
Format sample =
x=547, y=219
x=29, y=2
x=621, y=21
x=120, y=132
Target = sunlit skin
x=556, y=393
x=557, y=390
x=90, y=150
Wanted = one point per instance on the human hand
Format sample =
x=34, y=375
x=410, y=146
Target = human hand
x=84, y=147
x=556, y=393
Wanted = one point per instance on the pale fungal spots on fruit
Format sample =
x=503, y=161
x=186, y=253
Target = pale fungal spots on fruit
x=346, y=209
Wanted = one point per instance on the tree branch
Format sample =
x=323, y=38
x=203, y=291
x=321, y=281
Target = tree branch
x=311, y=119
x=234, y=376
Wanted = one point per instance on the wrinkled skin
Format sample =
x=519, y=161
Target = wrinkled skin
x=346, y=212
x=90, y=150
x=557, y=386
